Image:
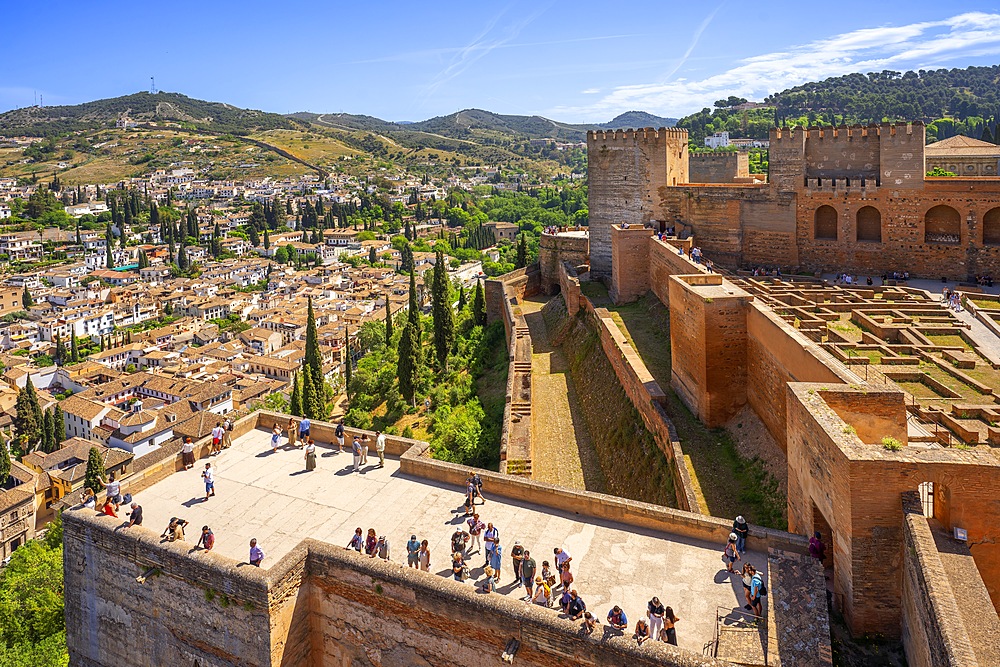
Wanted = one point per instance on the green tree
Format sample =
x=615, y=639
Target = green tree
x=182, y=260
x=58, y=424
x=28, y=416
x=48, y=437
x=94, y=477
x=31, y=601
x=295, y=401
x=61, y=351
x=313, y=397
x=444, y=325
x=372, y=256
x=4, y=463
x=461, y=297
x=74, y=350
x=522, y=251
x=479, y=305
x=408, y=366
x=267, y=240
x=388, y=321
x=347, y=367
x=26, y=301
x=143, y=260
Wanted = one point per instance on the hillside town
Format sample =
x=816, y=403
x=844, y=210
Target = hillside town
x=101, y=324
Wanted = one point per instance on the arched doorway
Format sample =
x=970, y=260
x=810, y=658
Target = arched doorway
x=991, y=227
x=942, y=224
x=869, y=224
x=825, y=223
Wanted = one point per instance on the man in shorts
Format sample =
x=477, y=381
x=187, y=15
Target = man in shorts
x=413, y=552
x=209, y=476
x=339, y=434
x=217, y=433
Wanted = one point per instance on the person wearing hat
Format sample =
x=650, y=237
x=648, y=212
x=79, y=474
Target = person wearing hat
x=517, y=555
x=413, y=552
x=742, y=529
x=731, y=554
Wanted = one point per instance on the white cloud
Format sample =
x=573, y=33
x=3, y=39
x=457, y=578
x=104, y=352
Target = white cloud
x=590, y=91
x=913, y=46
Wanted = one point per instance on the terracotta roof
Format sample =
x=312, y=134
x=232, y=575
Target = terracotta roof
x=961, y=145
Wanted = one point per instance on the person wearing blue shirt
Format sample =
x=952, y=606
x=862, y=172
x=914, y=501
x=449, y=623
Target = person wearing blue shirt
x=756, y=584
x=412, y=551
x=617, y=618
x=304, y=428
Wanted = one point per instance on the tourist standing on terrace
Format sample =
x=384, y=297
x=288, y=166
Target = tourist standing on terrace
x=528, y=569
x=470, y=495
x=275, y=436
x=356, y=448
x=669, y=634
x=217, y=438
x=364, y=449
x=339, y=434
x=209, y=476
x=256, y=553
x=655, y=612
x=187, y=453
x=562, y=559
x=458, y=566
x=756, y=590
x=227, y=433
x=113, y=490
x=371, y=541
x=290, y=427
x=207, y=538
x=517, y=557
x=495, y=559
x=413, y=552
x=476, y=528
x=424, y=555
x=742, y=530
x=565, y=577
x=730, y=553
x=310, y=454
x=492, y=539
x=380, y=448
x=304, y=428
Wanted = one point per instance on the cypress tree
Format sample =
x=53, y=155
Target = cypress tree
x=26, y=301
x=987, y=135
x=74, y=351
x=444, y=325
x=388, y=321
x=79, y=239
x=60, y=351
x=143, y=260
x=254, y=237
x=95, y=472
x=28, y=415
x=413, y=314
x=372, y=257
x=347, y=370
x=461, y=297
x=182, y=261
x=313, y=398
x=407, y=367
x=58, y=424
x=267, y=240
x=295, y=403
x=48, y=437
x=522, y=252
x=4, y=463
x=479, y=305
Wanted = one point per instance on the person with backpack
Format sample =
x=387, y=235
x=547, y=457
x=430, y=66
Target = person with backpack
x=655, y=612
x=477, y=488
x=495, y=560
x=470, y=490
x=227, y=433
x=730, y=554
x=459, y=541
x=617, y=618
x=476, y=528
x=458, y=566
x=339, y=434
x=517, y=557
x=489, y=584
x=382, y=548
x=528, y=569
x=757, y=589
x=207, y=539
x=357, y=541
x=543, y=593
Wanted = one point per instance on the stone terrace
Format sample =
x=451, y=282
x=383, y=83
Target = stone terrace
x=271, y=497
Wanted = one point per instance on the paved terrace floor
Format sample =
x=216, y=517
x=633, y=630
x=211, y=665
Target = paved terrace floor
x=270, y=496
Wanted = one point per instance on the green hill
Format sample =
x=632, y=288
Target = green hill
x=141, y=108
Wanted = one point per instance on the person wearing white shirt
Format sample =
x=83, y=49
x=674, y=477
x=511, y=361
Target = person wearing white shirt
x=380, y=448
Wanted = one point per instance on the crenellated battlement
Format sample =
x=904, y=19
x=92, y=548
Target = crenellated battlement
x=641, y=134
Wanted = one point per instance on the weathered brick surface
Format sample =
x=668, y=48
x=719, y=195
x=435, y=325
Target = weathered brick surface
x=719, y=167
x=630, y=263
x=553, y=250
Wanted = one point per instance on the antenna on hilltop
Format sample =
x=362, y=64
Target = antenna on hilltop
x=152, y=86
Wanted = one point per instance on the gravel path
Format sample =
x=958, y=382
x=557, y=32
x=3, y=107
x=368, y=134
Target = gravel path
x=562, y=451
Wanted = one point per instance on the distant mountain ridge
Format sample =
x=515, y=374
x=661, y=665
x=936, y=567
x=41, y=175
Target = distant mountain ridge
x=140, y=107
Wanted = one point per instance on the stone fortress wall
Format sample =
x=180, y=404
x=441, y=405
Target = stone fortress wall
x=720, y=168
x=729, y=349
x=132, y=598
x=851, y=199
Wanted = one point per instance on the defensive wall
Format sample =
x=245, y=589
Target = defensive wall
x=503, y=296
x=845, y=199
x=132, y=598
x=720, y=168
x=728, y=350
x=566, y=246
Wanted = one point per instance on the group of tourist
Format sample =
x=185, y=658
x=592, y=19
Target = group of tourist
x=952, y=299
x=753, y=581
x=985, y=280
x=765, y=272
x=896, y=275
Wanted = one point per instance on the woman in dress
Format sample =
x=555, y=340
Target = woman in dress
x=424, y=557
x=187, y=453
x=275, y=436
x=668, y=626
x=292, y=429
x=310, y=454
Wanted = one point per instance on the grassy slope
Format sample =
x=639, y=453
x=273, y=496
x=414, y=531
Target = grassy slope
x=729, y=484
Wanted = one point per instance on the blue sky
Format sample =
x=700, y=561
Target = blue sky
x=577, y=62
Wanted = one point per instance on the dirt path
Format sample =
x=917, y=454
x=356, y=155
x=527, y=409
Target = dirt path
x=562, y=451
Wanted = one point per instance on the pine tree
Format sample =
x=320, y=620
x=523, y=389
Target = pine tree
x=94, y=478
x=74, y=351
x=4, y=463
x=26, y=301
x=522, y=252
x=479, y=305
x=58, y=424
x=295, y=402
x=28, y=416
x=444, y=325
x=388, y=321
